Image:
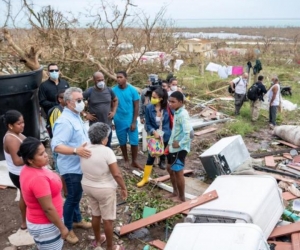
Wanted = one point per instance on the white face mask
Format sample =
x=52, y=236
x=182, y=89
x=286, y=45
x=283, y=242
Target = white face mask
x=173, y=88
x=100, y=85
x=79, y=107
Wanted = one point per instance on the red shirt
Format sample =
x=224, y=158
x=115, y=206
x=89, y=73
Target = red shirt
x=37, y=183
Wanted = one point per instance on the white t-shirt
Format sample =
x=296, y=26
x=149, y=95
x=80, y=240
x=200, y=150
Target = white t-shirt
x=240, y=85
x=95, y=169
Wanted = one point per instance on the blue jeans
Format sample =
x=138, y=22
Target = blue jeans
x=71, y=206
x=109, y=140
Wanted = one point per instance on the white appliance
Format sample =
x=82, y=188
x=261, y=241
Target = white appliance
x=242, y=199
x=187, y=236
x=224, y=156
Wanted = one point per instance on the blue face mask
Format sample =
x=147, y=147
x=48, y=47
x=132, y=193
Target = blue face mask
x=54, y=75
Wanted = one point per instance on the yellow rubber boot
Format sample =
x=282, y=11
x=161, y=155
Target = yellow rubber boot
x=147, y=173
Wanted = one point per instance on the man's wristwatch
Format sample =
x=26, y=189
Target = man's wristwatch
x=75, y=151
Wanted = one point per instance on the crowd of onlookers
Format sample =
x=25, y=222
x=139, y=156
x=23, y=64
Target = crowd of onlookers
x=84, y=160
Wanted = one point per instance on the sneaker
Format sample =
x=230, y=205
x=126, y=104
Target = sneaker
x=72, y=238
x=271, y=126
x=82, y=224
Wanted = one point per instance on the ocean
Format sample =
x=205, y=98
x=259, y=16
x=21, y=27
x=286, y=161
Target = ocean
x=209, y=23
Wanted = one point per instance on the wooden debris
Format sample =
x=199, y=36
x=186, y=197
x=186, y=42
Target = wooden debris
x=167, y=177
x=205, y=131
x=169, y=212
x=288, y=196
x=291, y=165
x=269, y=161
x=281, y=245
x=278, y=158
x=287, y=156
x=278, y=177
x=288, y=144
x=296, y=159
x=285, y=168
x=158, y=244
x=296, y=241
x=259, y=155
x=285, y=230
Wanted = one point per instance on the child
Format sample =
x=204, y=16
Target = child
x=179, y=144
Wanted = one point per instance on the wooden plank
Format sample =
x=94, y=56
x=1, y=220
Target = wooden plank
x=293, y=166
x=278, y=158
x=281, y=245
x=186, y=212
x=282, y=151
x=269, y=161
x=287, y=155
x=158, y=244
x=296, y=241
x=169, y=212
x=167, y=177
x=285, y=230
x=205, y=131
x=278, y=177
x=288, y=144
x=285, y=168
x=296, y=159
x=288, y=196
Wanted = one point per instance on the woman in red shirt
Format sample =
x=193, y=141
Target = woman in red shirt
x=41, y=190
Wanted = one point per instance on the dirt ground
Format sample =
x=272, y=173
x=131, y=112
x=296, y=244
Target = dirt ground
x=10, y=216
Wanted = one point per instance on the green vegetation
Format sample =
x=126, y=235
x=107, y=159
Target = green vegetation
x=202, y=87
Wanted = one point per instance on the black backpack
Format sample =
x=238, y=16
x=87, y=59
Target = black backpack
x=230, y=90
x=253, y=92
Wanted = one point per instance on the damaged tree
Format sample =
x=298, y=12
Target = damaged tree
x=110, y=43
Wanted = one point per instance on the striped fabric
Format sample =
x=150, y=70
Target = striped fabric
x=46, y=236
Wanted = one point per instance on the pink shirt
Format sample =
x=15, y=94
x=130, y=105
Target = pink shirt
x=37, y=183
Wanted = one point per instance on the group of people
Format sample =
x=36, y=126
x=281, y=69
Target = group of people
x=240, y=85
x=84, y=159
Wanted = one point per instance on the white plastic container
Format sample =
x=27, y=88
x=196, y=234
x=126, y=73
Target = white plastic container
x=242, y=199
x=224, y=156
x=213, y=236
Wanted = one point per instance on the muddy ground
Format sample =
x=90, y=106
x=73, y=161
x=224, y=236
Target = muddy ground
x=10, y=216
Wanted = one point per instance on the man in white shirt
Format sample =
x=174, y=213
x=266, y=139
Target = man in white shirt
x=239, y=86
x=274, y=99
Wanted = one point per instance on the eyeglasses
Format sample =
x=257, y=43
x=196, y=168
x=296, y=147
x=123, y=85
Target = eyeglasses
x=52, y=70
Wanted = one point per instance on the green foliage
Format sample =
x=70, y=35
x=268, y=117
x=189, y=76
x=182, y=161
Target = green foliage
x=146, y=196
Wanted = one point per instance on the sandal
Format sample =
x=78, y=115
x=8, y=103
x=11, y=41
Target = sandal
x=102, y=240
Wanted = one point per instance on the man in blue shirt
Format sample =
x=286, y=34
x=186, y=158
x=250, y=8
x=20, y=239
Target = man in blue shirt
x=69, y=140
x=125, y=119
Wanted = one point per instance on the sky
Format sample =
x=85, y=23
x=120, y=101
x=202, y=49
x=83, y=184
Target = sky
x=182, y=9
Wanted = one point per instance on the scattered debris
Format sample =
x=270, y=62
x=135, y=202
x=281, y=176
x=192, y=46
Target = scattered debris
x=169, y=212
x=205, y=131
x=158, y=244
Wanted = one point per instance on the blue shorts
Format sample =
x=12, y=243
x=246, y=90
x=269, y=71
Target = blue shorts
x=176, y=160
x=127, y=133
